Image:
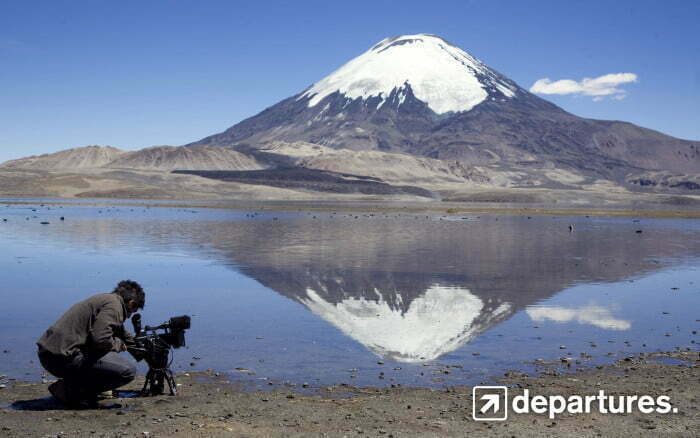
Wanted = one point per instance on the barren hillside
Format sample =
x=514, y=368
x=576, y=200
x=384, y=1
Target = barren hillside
x=76, y=158
x=167, y=158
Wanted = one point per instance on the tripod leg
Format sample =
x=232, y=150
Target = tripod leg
x=158, y=384
x=171, y=381
x=149, y=376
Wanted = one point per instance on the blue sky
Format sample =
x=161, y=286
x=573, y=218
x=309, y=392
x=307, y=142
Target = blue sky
x=132, y=74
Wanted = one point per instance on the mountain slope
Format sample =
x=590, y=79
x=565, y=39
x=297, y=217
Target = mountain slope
x=167, y=158
x=161, y=158
x=76, y=158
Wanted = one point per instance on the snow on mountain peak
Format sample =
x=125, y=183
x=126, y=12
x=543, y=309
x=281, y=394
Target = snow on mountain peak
x=443, y=76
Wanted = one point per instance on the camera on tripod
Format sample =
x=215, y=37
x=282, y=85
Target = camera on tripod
x=155, y=348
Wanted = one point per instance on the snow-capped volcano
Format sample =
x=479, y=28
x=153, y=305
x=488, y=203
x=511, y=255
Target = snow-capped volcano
x=422, y=96
x=446, y=78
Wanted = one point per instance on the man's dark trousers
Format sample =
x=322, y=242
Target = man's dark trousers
x=89, y=376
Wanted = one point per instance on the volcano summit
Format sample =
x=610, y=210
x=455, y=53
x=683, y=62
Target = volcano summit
x=442, y=76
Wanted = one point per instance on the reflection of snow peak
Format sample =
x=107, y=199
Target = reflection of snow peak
x=435, y=323
x=594, y=315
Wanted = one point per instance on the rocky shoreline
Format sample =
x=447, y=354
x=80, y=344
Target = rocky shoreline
x=210, y=405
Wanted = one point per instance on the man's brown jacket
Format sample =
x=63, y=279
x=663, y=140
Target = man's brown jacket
x=93, y=326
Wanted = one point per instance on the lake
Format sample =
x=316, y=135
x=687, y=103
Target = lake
x=357, y=298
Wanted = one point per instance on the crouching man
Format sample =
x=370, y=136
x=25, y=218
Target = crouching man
x=82, y=347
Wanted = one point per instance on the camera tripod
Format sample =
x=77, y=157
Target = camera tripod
x=155, y=382
x=155, y=349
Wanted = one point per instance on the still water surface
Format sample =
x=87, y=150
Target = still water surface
x=364, y=299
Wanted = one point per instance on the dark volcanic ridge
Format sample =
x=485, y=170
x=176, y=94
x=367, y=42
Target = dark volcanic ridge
x=311, y=179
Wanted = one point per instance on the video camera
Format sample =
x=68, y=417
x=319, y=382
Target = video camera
x=154, y=348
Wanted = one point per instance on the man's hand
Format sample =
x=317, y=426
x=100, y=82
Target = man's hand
x=118, y=345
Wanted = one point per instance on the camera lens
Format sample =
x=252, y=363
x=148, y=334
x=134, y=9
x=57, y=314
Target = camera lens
x=180, y=322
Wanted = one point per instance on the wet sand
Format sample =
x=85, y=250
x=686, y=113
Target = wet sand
x=212, y=406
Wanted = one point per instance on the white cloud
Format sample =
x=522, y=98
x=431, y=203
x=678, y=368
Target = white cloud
x=606, y=85
x=594, y=315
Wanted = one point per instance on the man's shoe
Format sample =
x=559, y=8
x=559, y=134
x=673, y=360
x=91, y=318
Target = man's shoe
x=67, y=397
x=59, y=391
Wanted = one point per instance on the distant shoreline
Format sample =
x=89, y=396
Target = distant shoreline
x=379, y=206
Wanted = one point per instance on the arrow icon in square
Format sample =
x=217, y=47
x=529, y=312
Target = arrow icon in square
x=492, y=401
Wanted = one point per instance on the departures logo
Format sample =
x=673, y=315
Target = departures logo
x=491, y=403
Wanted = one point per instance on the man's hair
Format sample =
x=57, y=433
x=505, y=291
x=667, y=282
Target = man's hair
x=131, y=290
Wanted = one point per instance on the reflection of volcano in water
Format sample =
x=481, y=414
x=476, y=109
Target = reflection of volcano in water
x=408, y=317
x=415, y=291
x=435, y=323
